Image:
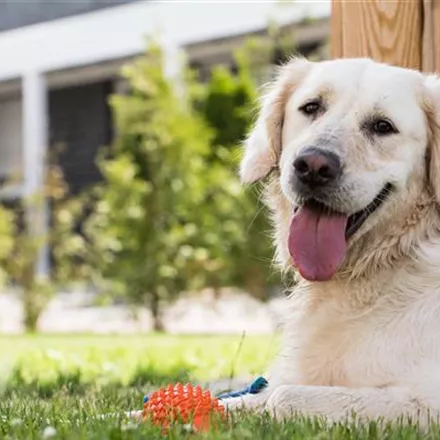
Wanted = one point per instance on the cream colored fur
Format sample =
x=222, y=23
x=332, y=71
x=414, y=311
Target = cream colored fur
x=367, y=341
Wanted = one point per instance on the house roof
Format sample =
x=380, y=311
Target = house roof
x=16, y=14
x=120, y=31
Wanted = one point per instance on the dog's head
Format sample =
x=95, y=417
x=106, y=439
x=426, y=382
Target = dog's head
x=354, y=143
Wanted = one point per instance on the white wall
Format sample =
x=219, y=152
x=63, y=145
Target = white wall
x=11, y=146
x=120, y=31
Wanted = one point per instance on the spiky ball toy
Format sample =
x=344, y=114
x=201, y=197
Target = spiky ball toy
x=183, y=404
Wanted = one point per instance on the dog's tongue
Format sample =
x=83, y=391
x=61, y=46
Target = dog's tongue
x=317, y=243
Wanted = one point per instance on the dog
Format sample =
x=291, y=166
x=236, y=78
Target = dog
x=349, y=153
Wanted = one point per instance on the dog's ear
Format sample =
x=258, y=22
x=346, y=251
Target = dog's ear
x=263, y=145
x=432, y=109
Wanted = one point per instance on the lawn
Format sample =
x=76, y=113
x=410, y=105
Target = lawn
x=59, y=386
x=132, y=360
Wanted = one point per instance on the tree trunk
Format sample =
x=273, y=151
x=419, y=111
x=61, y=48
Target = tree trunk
x=157, y=315
x=255, y=283
x=31, y=311
x=217, y=291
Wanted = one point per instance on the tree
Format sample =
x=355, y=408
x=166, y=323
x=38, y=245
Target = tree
x=21, y=246
x=229, y=107
x=7, y=232
x=162, y=217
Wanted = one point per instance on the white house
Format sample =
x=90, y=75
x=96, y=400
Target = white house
x=59, y=61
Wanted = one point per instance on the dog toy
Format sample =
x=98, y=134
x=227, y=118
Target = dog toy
x=185, y=404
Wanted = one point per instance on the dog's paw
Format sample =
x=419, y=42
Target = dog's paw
x=233, y=403
x=291, y=401
x=247, y=402
x=285, y=401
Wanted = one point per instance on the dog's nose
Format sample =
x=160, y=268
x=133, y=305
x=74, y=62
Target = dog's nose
x=317, y=167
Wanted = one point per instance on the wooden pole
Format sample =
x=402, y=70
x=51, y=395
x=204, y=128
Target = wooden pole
x=385, y=30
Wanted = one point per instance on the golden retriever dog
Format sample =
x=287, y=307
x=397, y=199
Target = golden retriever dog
x=350, y=152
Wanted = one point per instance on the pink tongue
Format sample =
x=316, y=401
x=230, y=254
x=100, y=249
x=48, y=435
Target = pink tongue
x=317, y=243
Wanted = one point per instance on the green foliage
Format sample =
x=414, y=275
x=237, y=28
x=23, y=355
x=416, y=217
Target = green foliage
x=229, y=107
x=20, y=247
x=7, y=231
x=171, y=214
x=164, y=218
x=20, y=267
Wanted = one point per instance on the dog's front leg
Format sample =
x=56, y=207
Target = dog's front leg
x=251, y=402
x=337, y=404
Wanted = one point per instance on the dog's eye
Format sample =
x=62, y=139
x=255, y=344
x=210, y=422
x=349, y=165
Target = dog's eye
x=383, y=127
x=311, y=108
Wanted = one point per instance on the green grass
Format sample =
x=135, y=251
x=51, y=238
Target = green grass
x=132, y=360
x=63, y=384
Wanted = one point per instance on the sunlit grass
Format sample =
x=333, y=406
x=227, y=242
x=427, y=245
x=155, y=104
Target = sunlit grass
x=133, y=360
x=61, y=386
x=67, y=416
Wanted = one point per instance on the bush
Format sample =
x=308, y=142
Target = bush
x=171, y=214
x=166, y=214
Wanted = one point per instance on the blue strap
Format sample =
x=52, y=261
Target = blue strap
x=254, y=388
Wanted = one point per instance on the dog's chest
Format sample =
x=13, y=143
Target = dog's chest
x=326, y=351
x=331, y=345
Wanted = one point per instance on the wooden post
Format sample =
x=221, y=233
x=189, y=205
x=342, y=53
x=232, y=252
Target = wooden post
x=431, y=36
x=385, y=30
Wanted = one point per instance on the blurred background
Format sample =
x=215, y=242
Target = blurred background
x=121, y=209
